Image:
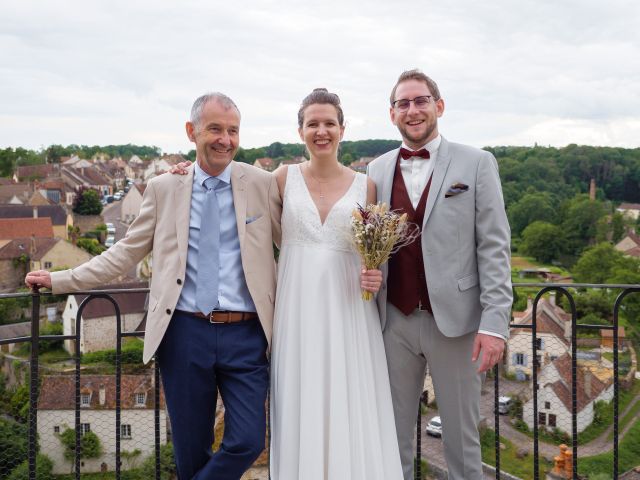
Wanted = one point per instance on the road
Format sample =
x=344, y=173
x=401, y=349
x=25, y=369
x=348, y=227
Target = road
x=112, y=214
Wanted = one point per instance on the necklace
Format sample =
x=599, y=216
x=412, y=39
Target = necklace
x=320, y=183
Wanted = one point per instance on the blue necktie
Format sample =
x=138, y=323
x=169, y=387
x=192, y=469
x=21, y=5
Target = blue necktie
x=209, y=250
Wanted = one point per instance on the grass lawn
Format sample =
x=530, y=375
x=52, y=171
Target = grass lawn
x=628, y=456
x=509, y=462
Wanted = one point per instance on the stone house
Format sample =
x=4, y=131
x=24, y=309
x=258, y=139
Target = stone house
x=265, y=163
x=130, y=204
x=629, y=210
x=60, y=218
x=594, y=383
x=98, y=321
x=629, y=245
x=56, y=413
x=553, y=335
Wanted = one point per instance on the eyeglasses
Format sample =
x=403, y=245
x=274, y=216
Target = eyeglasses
x=420, y=103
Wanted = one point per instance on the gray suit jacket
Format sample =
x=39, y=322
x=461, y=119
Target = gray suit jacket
x=465, y=241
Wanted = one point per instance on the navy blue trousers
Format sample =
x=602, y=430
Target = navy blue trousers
x=198, y=359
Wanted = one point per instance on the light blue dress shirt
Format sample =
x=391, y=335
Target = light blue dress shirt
x=233, y=293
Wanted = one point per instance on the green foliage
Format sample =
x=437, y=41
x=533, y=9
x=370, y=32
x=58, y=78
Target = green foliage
x=44, y=467
x=19, y=402
x=521, y=426
x=131, y=354
x=597, y=264
x=87, y=202
x=53, y=328
x=90, y=445
x=13, y=445
x=91, y=245
x=580, y=224
x=532, y=207
x=167, y=464
x=10, y=310
x=543, y=241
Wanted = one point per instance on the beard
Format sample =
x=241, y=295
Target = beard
x=420, y=138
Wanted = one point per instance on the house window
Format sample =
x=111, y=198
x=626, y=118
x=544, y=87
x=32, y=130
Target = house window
x=539, y=344
x=542, y=418
x=552, y=420
x=140, y=399
x=48, y=264
x=85, y=428
x=85, y=399
x=520, y=359
x=125, y=431
x=547, y=406
x=56, y=429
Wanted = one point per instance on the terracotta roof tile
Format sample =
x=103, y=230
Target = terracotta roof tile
x=562, y=386
x=127, y=302
x=11, y=228
x=58, y=391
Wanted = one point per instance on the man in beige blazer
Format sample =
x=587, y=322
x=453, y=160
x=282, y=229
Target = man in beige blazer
x=446, y=299
x=212, y=293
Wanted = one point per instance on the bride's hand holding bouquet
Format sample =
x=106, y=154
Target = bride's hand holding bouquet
x=378, y=233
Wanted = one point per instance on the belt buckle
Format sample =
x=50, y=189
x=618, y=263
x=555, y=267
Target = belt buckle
x=211, y=320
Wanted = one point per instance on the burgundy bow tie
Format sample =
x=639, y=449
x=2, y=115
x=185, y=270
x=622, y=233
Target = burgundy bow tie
x=422, y=153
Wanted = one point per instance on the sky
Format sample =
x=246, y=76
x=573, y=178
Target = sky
x=511, y=72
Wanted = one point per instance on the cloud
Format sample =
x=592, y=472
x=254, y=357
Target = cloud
x=510, y=73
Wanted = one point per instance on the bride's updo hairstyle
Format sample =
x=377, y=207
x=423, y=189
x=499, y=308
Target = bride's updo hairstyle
x=321, y=96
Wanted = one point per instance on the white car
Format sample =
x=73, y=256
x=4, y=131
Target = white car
x=110, y=241
x=504, y=404
x=434, y=427
x=111, y=230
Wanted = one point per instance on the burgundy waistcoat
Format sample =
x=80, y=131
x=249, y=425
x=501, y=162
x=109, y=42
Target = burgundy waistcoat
x=406, y=282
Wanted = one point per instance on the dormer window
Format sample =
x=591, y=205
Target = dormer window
x=85, y=399
x=141, y=399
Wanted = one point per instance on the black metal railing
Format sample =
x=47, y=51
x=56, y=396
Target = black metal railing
x=564, y=289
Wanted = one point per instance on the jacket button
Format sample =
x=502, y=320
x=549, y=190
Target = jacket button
x=168, y=311
x=179, y=282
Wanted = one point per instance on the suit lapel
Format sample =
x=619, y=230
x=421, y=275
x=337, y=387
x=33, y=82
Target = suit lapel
x=182, y=205
x=439, y=171
x=239, y=187
x=389, y=169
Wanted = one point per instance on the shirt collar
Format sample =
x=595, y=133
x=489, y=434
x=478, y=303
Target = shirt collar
x=200, y=176
x=432, y=146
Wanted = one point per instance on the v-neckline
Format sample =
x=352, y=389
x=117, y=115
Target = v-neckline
x=315, y=207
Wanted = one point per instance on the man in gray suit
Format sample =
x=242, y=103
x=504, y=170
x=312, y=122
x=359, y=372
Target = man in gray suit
x=446, y=299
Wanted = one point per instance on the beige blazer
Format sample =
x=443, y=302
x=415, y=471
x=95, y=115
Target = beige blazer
x=162, y=226
x=465, y=241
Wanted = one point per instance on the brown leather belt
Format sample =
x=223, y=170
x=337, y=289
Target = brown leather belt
x=225, y=316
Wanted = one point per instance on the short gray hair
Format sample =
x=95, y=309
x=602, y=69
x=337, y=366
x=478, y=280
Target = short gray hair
x=198, y=105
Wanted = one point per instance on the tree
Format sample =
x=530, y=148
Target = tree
x=90, y=446
x=44, y=467
x=531, y=207
x=87, y=202
x=580, y=223
x=13, y=445
x=543, y=241
x=597, y=264
x=167, y=464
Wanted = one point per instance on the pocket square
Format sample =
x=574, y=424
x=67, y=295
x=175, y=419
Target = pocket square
x=252, y=219
x=456, y=189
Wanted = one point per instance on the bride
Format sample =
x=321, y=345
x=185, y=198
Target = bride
x=331, y=412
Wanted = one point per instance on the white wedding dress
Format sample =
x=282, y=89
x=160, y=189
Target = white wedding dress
x=331, y=411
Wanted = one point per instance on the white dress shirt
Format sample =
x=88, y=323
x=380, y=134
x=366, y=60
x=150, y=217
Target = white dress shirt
x=416, y=172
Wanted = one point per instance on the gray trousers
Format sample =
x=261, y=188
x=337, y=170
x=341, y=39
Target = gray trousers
x=411, y=343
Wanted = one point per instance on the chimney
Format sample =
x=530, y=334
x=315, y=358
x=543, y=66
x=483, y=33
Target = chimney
x=102, y=394
x=35, y=211
x=592, y=190
x=529, y=304
x=32, y=247
x=552, y=298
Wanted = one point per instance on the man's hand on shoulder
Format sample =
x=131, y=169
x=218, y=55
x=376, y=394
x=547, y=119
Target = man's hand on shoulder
x=491, y=348
x=180, y=168
x=38, y=278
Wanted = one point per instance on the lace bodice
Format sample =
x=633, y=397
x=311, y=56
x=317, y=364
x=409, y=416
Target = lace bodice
x=301, y=221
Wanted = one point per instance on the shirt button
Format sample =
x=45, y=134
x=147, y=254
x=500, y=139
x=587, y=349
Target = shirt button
x=168, y=311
